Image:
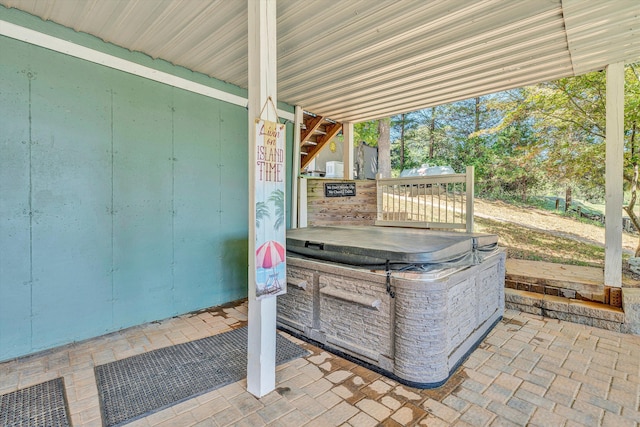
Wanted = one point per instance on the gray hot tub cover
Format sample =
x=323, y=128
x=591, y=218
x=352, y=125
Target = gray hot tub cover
x=391, y=247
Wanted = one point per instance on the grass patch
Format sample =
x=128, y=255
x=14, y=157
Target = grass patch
x=524, y=243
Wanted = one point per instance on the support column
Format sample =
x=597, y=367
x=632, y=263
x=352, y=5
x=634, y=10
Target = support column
x=613, y=175
x=295, y=173
x=261, y=353
x=347, y=149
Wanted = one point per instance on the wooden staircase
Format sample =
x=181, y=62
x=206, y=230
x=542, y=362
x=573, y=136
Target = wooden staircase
x=316, y=131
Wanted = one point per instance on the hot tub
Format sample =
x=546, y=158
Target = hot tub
x=410, y=303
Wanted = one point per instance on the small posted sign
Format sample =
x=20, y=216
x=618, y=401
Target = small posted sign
x=339, y=189
x=270, y=261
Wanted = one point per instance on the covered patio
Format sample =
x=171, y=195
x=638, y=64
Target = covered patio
x=126, y=175
x=530, y=370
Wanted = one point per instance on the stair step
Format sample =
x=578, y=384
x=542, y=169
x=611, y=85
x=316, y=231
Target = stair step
x=582, y=312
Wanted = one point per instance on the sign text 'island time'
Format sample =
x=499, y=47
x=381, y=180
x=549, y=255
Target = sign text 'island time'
x=270, y=158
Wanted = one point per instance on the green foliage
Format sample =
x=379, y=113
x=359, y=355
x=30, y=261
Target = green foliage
x=523, y=141
x=367, y=132
x=567, y=118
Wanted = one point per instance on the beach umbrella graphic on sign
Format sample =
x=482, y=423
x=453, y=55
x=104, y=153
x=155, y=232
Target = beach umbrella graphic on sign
x=270, y=255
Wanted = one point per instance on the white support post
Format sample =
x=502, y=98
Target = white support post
x=302, y=221
x=613, y=176
x=261, y=348
x=379, y=201
x=470, y=182
x=295, y=172
x=347, y=149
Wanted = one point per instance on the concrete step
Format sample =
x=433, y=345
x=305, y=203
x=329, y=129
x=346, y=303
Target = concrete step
x=569, y=281
x=572, y=293
x=583, y=312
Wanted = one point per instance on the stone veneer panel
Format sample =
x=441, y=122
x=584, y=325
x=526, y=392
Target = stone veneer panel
x=295, y=308
x=462, y=307
x=488, y=293
x=631, y=306
x=351, y=323
x=419, y=336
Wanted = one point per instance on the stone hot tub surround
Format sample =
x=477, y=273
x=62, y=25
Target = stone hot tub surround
x=418, y=337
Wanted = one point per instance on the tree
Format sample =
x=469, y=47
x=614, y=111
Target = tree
x=567, y=120
x=403, y=118
x=401, y=126
x=432, y=132
x=384, y=147
x=366, y=132
x=632, y=86
x=569, y=117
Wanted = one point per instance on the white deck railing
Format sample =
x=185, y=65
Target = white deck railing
x=441, y=201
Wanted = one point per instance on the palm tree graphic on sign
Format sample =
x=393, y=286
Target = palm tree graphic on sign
x=271, y=253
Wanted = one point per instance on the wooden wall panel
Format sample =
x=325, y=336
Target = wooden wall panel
x=357, y=210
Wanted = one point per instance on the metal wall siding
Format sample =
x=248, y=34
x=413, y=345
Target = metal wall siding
x=234, y=178
x=63, y=238
x=15, y=252
x=137, y=200
x=142, y=186
x=196, y=131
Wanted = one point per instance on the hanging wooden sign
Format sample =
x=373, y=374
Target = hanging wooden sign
x=270, y=173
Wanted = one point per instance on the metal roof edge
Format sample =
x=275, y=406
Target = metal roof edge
x=566, y=34
x=37, y=38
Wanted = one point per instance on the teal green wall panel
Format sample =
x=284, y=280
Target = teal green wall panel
x=122, y=200
x=234, y=204
x=142, y=167
x=70, y=163
x=196, y=131
x=15, y=268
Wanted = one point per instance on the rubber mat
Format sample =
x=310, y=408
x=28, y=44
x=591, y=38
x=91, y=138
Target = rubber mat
x=140, y=385
x=41, y=405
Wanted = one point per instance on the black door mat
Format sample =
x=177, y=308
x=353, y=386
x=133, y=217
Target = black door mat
x=41, y=405
x=143, y=384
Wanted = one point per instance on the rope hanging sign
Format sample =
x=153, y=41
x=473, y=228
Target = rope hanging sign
x=270, y=102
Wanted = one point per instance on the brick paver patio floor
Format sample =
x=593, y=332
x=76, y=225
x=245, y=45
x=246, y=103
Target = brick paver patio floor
x=529, y=371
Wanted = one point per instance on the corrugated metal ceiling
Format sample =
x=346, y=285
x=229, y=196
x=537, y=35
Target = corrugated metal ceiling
x=354, y=60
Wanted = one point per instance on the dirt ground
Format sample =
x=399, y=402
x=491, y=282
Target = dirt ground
x=548, y=222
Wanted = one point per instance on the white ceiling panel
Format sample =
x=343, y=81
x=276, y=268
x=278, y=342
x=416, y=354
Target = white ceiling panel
x=354, y=60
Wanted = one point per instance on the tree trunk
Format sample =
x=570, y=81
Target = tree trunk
x=402, y=124
x=567, y=200
x=629, y=208
x=477, y=118
x=634, y=190
x=384, y=147
x=432, y=131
